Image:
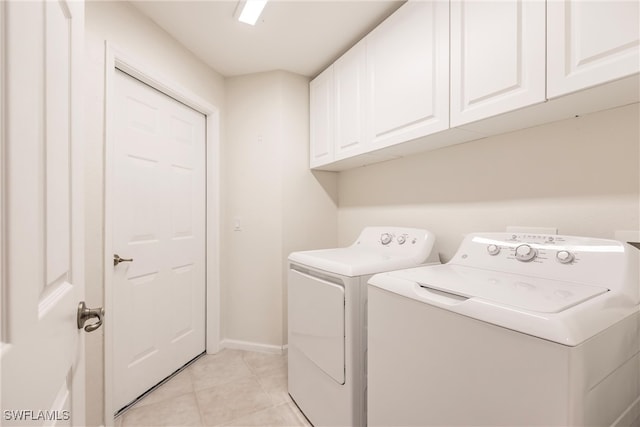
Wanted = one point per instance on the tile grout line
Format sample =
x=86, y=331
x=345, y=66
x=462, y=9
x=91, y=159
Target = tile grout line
x=195, y=393
x=257, y=377
x=199, y=408
x=288, y=403
x=253, y=376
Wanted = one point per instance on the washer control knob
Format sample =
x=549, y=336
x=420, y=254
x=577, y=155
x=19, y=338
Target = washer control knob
x=401, y=239
x=493, y=249
x=565, y=257
x=525, y=253
x=386, y=238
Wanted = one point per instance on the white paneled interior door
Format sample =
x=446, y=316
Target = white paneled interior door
x=497, y=57
x=42, y=362
x=159, y=223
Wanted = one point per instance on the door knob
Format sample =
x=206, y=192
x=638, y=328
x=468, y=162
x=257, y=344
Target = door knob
x=117, y=260
x=85, y=314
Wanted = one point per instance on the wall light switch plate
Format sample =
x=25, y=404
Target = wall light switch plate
x=236, y=223
x=531, y=230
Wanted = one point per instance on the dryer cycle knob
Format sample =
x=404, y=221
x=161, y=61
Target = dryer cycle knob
x=401, y=239
x=386, y=238
x=525, y=253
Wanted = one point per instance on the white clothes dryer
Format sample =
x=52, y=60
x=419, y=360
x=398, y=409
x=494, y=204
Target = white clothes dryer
x=516, y=330
x=327, y=319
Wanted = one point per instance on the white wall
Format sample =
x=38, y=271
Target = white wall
x=279, y=204
x=580, y=175
x=127, y=29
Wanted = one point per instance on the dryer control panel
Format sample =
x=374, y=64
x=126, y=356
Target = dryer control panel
x=376, y=237
x=377, y=249
x=398, y=242
x=586, y=260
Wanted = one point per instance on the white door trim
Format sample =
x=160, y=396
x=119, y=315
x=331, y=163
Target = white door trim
x=3, y=180
x=117, y=59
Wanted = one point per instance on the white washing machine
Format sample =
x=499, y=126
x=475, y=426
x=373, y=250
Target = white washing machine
x=327, y=319
x=516, y=330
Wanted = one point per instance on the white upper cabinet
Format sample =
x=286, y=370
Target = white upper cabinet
x=321, y=119
x=442, y=72
x=497, y=57
x=349, y=97
x=408, y=74
x=590, y=42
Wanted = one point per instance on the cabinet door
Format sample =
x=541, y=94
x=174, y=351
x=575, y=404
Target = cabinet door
x=408, y=73
x=497, y=57
x=321, y=119
x=349, y=81
x=590, y=42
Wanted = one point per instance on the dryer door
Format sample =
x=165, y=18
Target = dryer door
x=316, y=321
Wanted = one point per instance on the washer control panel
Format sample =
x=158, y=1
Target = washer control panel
x=569, y=258
x=527, y=247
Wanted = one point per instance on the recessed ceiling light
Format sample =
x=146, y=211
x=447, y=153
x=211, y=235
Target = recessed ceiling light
x=248, y=11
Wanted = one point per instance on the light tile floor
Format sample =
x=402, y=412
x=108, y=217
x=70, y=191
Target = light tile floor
x=231, y=388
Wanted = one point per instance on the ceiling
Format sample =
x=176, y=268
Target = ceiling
x=300, y=36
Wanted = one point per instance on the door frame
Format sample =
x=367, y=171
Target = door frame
x=117, y=59
x=3, y=181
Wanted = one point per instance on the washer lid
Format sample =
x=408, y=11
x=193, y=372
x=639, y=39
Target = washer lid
x=506, y=289
x=353, y=261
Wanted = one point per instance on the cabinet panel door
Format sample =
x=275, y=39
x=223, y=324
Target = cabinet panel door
x=408, y=73
x=349, y=81
x=591, y=42
x=321, y=119
x=497, y=57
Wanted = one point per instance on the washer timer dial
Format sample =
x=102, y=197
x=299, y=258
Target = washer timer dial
x=525, y=253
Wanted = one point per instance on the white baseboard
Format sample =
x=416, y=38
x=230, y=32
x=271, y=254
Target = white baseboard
x=252, y=346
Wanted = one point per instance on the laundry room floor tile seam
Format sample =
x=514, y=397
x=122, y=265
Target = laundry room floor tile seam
x=233, y=387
